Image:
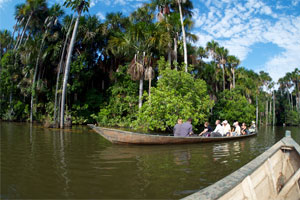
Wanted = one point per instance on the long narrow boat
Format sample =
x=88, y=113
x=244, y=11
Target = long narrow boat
x=127, y=137
x=275, y=175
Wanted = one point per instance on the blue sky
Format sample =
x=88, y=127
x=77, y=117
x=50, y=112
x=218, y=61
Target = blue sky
x=264, y=35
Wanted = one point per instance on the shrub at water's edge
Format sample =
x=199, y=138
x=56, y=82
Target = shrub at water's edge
x=233, y=106
x=177, y=95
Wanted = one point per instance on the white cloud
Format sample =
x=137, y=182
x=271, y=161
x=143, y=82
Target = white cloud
x=239, y=26
x=100, y=16
x=2, y=2
x=295, y=2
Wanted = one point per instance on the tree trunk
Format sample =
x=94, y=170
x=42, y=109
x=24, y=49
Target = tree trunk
x=299, y=101
x=27, y=38
x=150, y=79
x=223, y=71
x=288, y=96
x=292, y=104
x=183, y=37
x=267, y=105
x=270, y=111
x=60, y=68
x=67, y=70
x=13, y=35
x=34, y=80
x=274, y=118
x=256, y=111
x=170, y=53
x=24, y=30
x=141, y=85
x=175, y=52
x=233, y=74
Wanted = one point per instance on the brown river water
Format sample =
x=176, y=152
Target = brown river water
x=40, y=163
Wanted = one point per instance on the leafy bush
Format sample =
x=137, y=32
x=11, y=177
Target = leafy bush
x=293, y=118
x=233, y=106
x=177, y=95
x=121, y=109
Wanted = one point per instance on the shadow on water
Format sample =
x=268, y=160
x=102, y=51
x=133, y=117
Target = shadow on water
x=78, y=163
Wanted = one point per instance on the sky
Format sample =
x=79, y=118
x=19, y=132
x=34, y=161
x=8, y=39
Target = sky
x=264, y=35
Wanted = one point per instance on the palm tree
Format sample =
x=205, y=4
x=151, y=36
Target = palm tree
x=222, y=54
x=54, y=13
x=5, y=38
x=233, y=63
x=80, y=6
x=183, y=34
x=29, y=10
x=184, y=7
x=60, y=69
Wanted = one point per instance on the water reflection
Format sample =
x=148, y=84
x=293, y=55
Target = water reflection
x=182, y=157
x=78, y=163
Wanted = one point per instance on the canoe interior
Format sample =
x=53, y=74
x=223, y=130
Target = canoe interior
x=277, y=178
x=127, y=137
x=274, y=175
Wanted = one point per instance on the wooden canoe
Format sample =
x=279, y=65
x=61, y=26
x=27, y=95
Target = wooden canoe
x=275, y=174
x=127, y=137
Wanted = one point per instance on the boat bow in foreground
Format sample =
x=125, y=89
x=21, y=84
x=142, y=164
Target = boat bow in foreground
x=275, y=174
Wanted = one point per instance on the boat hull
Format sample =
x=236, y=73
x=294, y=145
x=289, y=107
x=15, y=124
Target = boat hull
x=127, y=137
x=275, y=175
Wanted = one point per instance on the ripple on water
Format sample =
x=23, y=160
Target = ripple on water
x=49, y=163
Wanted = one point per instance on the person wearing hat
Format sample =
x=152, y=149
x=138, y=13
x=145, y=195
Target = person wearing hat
x=237, y=130
x=226, y=128
x=252, y=128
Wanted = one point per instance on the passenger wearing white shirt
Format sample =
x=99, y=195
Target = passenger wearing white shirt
x=226, y=127
x=237, y=131
x=219, y=131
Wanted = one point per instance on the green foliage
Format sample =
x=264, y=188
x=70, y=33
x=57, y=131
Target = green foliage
x=177, y=95
x=293, y=118
x=122, y=104
x=233, y=106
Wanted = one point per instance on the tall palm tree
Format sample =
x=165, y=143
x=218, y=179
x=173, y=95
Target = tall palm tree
x=79, y=6
x=29, y=10
x=183, y=34
x=184, y=7
x=54, y=13
x=233, y=63
x=69, y=28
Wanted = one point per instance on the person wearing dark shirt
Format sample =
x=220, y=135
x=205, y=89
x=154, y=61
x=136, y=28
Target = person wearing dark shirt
x=207, y=130
x=177, y=127
x=186, y=128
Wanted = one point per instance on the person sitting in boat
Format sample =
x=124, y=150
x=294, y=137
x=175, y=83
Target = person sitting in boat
x=244, y=130
x=207, y=130
x=226, y=128
x=177, y=127
x=252, y=128
x=219, y=131
x=237, y=129
x=186, y=129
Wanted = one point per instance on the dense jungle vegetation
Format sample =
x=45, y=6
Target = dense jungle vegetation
x=138, y=71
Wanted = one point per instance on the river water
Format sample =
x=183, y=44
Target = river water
x=40, y=163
